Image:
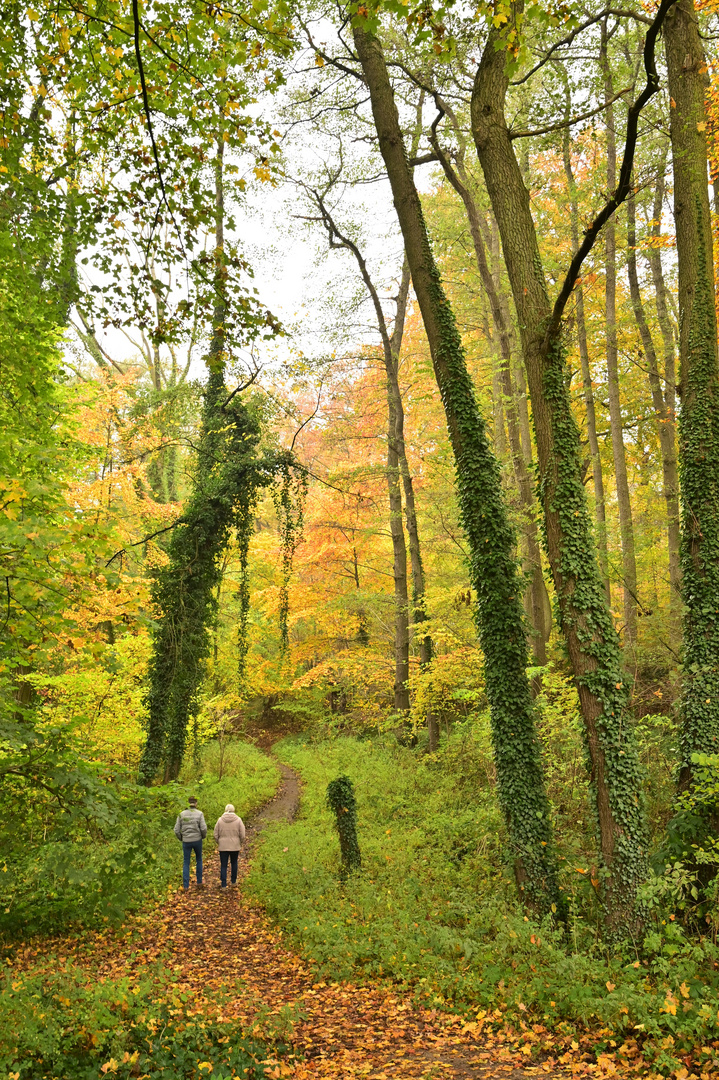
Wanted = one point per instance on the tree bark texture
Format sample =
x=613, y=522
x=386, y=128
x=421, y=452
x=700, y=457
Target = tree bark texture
x=624, y=504
x=600, y=513
x=586, y=622
x=662, y=410
x=419, y=614
x=492, y=567
x=536, y=600
x=699, y=385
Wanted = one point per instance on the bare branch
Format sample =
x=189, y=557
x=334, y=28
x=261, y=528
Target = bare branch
x=310, y=417
x=572, y=120
x=624, y=186
x=238, y=390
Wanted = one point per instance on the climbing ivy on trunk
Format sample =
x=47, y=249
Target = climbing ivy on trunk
x=228, y=476
x=493, y=569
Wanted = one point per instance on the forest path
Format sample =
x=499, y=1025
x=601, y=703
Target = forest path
x=221, y=941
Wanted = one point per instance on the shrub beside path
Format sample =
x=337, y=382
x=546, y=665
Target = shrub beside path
x=226, y=960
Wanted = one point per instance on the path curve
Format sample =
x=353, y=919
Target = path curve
x=225, y=939
x=221, y=947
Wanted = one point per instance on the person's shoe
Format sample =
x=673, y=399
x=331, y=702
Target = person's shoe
x=200, y=885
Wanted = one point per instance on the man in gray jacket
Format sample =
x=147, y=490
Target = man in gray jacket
x=191, y=829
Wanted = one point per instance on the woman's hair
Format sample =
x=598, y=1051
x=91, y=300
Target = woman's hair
x=229, y=809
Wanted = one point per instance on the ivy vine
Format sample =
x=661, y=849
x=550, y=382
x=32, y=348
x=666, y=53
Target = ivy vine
x=289, y=498
x=699, y=476
x=500, y=617
x=229, y=474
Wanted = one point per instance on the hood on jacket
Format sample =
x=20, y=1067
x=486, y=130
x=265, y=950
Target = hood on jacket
x=229, y=817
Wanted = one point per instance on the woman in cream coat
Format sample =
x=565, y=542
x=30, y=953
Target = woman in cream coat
x=229, y=834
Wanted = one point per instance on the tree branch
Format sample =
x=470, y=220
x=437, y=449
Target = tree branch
x=620, y=13
x=623, y=188
x=572, y=120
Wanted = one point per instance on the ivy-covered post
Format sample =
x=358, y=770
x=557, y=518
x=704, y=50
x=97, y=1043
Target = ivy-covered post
x=341, y=800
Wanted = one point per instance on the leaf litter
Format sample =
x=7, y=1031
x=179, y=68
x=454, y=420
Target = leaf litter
x=228, y=963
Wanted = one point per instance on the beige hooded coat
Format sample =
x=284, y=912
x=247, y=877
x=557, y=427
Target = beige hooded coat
x=229, y=832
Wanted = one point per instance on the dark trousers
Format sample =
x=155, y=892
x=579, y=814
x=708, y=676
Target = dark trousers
x=225, y=857
x=188, y=846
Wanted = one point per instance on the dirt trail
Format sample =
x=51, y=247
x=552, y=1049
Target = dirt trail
x=220, y=939
x=221, y=947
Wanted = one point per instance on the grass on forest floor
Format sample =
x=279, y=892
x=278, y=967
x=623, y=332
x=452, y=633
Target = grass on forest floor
x=119, y=852
x=433, y=908
x=64, y=1024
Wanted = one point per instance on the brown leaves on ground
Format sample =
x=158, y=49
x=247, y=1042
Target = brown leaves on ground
x=221, y=949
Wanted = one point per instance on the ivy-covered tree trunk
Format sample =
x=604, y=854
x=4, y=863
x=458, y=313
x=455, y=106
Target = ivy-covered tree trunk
x=492, y=565
x=585, y=618
x=536, y=600
x=185, y=590
x=699, y=387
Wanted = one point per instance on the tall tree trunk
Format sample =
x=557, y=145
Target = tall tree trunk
x=664, y=416
x=536, y=601
x=399, y=562
x=493, y=570
x=699, y=384
x=399, y=546
x=419, y=613
x=600, y=513
x=624, y=505
x=666, y=328
x=586, y=621
x=397, y=464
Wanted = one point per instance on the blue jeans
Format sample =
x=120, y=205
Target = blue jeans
x=188, y=846
x=224, y=857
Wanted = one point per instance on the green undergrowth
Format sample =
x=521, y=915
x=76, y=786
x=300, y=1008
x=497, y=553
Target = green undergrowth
x=433, y=908
x=107, y=845
x=66, y=1026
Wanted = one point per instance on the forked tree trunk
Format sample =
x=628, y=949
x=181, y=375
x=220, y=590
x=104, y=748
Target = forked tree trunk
x=419, y=612
x=699, y=383
x=493, y=570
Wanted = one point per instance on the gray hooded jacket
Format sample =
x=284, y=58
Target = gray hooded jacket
x=190, y=826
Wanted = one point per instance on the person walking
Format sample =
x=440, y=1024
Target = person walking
x=191, y=829
x=229, y=834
